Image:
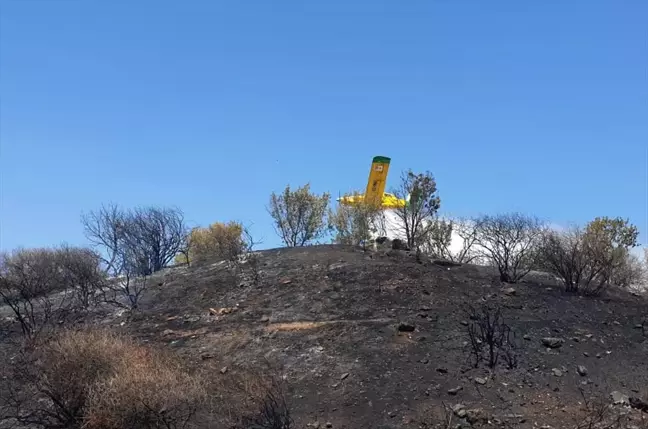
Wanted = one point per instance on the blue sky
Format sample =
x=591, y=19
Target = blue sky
x=540, y=107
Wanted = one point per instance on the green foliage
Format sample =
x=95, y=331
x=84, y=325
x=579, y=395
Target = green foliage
x=612, y=233
x=590, y=259
x=300, y=215
x=423, y=192
x=439, y=239
x=355, y=224
x=608, y=241
x=416, y=216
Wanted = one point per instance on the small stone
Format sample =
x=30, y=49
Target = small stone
x=223, y=370
x=526, y=337
x=619, y=398
x=475, y=416
x=265, y=319
x=461, y=413
x=343, y=376
x=480, y=380
x=406, y=327
x=455, y=390
x=638, y=326
x=582, y=371
x=458, y=407
x=464, y=323
x=616, y=322
x=586, y=354
x=557, y=372
x=425, y=361
x=509, y=291
x=552, y=343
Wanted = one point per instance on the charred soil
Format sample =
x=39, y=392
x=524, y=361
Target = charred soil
x=381, y=340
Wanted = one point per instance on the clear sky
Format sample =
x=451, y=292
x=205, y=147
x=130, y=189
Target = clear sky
x=532, y=106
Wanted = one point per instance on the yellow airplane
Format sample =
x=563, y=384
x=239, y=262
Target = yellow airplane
x=375, y=192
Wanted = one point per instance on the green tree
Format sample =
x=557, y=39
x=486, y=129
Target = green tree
x=355, y=224
x=590, y=259
x=417, y=215
x=299, y=215
x=608, y=241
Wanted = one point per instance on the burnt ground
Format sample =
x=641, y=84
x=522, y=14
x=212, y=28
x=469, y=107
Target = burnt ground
x=330, y=315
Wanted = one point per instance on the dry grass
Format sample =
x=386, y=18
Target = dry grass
x=100, y=380
x=256, y=399
x=308, y=324
x=147, y=390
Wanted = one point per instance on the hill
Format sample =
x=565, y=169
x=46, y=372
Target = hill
x=381, y=340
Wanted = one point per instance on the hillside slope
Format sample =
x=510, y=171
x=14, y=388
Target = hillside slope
x=379, y=340
x=330, y=316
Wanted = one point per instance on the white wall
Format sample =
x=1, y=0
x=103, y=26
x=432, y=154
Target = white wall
x=394, y=230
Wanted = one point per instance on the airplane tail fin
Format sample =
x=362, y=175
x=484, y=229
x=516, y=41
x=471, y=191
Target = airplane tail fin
x=377, y=179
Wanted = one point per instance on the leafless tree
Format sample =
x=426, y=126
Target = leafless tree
x=145, y=238
x=490, y=336
x=509, y=242
x=259, y=399
x=81, y=270
x=135, y=243
x=586, y=261
x=630, y=272
x=45, y=287
x=416, y=216
x=104, y=228
x=155, y=235
x=184, y=252
x=598, y=413
x=251, y=258
x=566, y=255
x=124, y=291
x=299, y=216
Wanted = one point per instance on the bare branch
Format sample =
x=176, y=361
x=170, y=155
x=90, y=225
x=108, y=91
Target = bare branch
x=509, y=242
